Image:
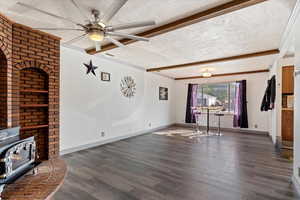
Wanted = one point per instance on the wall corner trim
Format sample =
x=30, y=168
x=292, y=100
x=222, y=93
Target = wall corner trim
x=296, y=184
x=289, y=29
x=111, y=140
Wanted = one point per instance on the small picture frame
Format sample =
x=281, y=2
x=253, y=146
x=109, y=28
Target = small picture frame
x=163, y=94
x=105, y=76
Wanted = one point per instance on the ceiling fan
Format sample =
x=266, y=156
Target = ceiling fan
x=97, y=28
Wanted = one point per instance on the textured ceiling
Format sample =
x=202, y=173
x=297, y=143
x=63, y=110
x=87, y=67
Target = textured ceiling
x=250, y=64
x=133, y=11
x=248, y=30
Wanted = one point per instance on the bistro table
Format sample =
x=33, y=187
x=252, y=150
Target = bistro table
x=208, y=109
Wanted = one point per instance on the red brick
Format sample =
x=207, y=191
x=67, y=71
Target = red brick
x=30, y=51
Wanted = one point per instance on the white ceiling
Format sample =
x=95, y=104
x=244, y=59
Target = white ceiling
x=250, y=64
x=251, y=29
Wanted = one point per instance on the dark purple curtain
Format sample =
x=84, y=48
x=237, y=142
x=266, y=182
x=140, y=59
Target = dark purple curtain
x=191, y=103
x=240, y=118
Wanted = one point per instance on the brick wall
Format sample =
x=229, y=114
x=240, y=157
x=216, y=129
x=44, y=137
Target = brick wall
x=35, y=54
x=32, y=63
x=5, y=68
x=3, y=89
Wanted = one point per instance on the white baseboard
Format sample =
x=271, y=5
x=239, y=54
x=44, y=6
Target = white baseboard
x=239, y=130
x=111, y=140
x=296, y=184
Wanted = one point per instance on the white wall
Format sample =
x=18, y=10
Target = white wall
x=256, y=85
x=275, y=114
x=291, y=42
x=89, y=106
x=297, y=104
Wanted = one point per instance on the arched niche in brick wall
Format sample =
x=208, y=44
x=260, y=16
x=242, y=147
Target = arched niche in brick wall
x=3, y=90
x=33, y=95
x=48, y=132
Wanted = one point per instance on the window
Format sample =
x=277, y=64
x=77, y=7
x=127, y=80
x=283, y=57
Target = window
x=220, y=96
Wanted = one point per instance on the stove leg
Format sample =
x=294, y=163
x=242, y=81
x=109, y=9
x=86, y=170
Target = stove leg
x=1, y=190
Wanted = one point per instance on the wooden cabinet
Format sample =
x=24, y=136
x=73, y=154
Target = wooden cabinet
x=287, y=125
x=288, y=80
x=287, y=116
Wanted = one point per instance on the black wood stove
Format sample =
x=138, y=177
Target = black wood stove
x=17, y=156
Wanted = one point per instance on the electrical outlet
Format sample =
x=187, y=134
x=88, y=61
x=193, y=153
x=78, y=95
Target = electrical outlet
x=150, y=124
x=102, y=134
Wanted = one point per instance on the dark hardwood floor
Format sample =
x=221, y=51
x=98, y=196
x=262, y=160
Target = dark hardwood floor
x=236, y=166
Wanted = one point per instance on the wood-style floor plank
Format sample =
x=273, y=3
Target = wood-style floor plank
x=237, y=166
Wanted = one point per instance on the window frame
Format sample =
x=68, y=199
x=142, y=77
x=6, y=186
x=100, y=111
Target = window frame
x=229, y=108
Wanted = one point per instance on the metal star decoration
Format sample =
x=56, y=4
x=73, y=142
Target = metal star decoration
x=90, y=68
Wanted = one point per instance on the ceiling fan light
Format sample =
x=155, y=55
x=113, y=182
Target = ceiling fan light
x=96, y=36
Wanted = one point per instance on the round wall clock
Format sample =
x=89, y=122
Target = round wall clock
x=128, y=86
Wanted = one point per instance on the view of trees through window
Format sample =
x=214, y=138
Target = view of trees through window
x=220, y=96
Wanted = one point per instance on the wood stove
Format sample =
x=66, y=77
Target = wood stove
x=17, y=155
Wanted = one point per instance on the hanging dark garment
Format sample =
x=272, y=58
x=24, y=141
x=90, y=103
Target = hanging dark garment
x=240, y=118
x=191, y=102
x=268, y=102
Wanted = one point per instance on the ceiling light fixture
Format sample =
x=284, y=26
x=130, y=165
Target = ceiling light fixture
x=96, y=36
x=207, y=74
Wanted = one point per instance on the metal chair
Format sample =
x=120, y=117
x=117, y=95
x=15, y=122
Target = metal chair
x=197, y=115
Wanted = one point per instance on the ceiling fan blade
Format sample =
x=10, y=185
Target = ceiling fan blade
x=133, y=25
x=133, y=37
x=60, y=29
x=81, y=11
x=113, y=11
x=98, y=46
x=75, y=39
x=50, y=14
x=116, y=42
